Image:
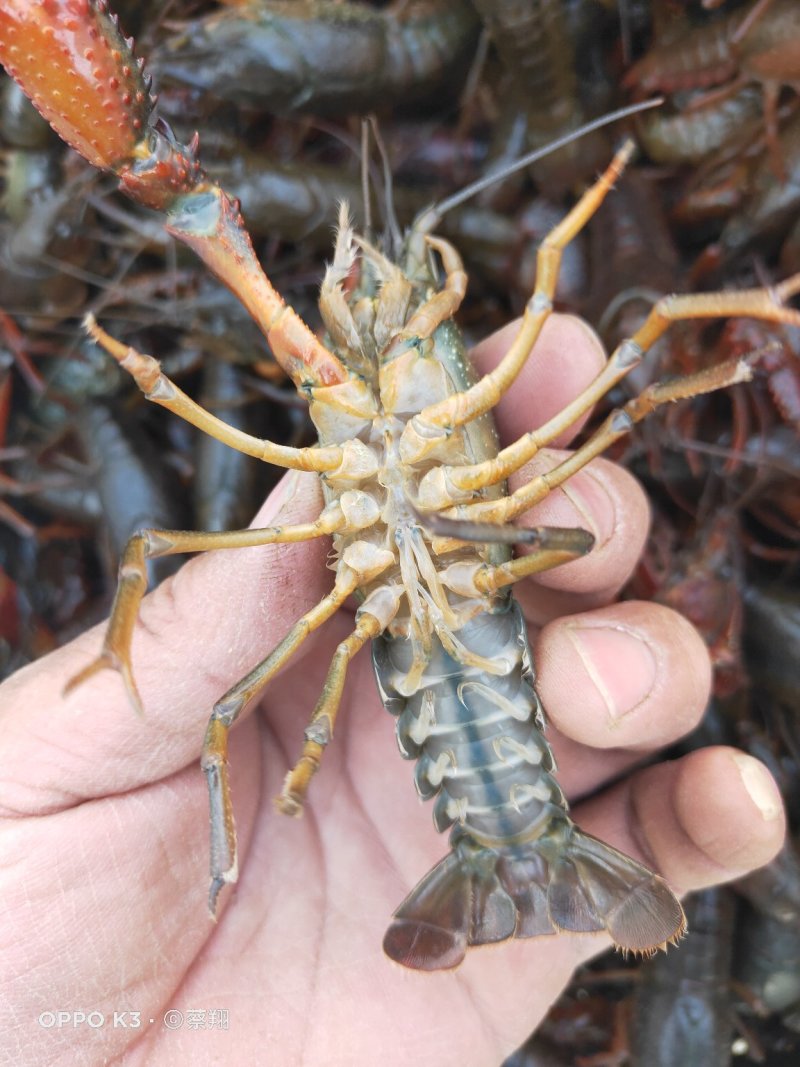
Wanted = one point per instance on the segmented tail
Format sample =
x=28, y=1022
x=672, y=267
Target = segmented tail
x=562, y=880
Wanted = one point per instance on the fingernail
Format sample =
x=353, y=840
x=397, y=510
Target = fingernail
x=594, y=506
x=760, y=786
x=619, y=662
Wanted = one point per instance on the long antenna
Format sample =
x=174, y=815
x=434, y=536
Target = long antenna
x=366, y=200
x=388, y=189
x=430, y=218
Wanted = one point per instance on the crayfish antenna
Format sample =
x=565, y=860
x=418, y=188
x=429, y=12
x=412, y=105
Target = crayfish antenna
x=430, y=218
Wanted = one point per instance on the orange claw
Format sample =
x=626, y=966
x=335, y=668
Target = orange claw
x=72, y=60
x=210, y=223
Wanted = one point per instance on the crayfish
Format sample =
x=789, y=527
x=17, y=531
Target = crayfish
x=416, y=504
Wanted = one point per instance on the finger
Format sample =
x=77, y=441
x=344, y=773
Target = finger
x=627, y=679
x=566, y=358
x=608, y=502
x=199, y=633
x=708, y=818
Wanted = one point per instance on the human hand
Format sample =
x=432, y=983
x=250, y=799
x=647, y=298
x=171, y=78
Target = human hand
x=104, y=815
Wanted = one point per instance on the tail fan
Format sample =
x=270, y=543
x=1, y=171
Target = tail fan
x=567, y=880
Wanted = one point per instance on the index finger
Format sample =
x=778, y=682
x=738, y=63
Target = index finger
x=602, y=498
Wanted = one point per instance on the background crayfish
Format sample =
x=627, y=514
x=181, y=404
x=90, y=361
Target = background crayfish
x=416, y=504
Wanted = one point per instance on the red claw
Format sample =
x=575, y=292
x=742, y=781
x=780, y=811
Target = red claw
x=71, y=59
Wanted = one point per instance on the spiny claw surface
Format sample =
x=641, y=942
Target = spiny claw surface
x=80, y=72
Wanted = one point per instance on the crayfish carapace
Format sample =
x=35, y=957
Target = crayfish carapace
x=416, y=504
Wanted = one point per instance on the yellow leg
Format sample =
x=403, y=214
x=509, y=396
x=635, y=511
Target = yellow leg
x=225, y=713
x=146, y=372
x=444, y=304
x=426, y=429
x=443, y=484
x=553, y=545
x=618, y=423
x=149, y=544
x=320, y=729
x=557, y=546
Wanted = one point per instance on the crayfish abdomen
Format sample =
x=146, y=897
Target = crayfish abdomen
x=519, y=867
